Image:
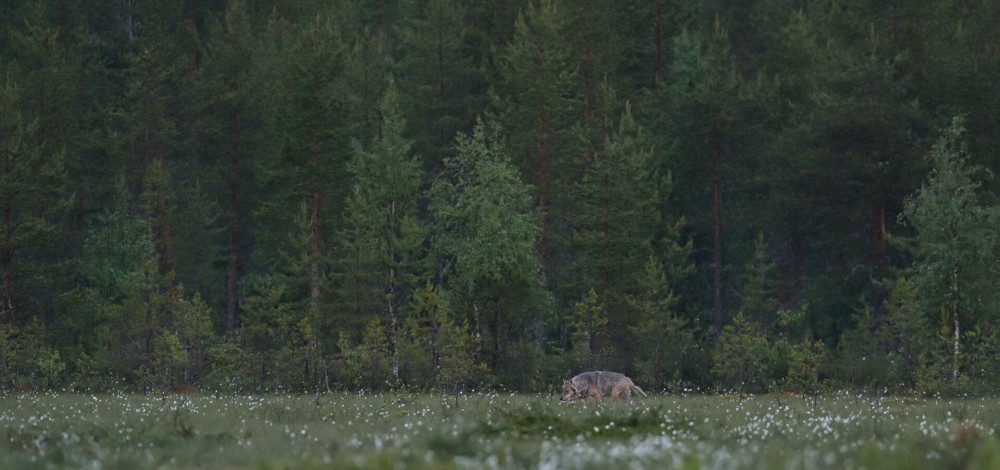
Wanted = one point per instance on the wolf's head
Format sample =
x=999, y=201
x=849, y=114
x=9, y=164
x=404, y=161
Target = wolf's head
x=569, y=391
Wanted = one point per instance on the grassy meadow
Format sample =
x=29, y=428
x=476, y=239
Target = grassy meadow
x=63, y=430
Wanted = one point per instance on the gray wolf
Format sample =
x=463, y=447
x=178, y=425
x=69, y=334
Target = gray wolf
x=596, y=384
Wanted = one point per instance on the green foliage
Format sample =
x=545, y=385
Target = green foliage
x=622, y=232
x=368, y=365
x=174, y=171
x=9, y=356
x=955, y=248
x=269, y=325
x=486, y=238
x=310, y=144
x=535, y=101
x=31, y=185
x=665, y=341
x=433, y=349
x=759, y=289
x=416, y=351
x=942, y=369
x=485, y=212
x=440, y=81
x=808, y=359
x=739, y=359
x=905, y=334
x=383, y=240
x=50, y=366
x=170, y=358
x=192, y=325
x=984, y=358
x=459, y=367
x=433, y=431
x=862, y=358
x=591, y=344
x=231, y=135
x=707, y=116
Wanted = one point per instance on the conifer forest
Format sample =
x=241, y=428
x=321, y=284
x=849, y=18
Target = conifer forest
x=311, y=195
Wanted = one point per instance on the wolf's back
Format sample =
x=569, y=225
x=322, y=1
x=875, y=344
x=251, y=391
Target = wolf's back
x=587, y=379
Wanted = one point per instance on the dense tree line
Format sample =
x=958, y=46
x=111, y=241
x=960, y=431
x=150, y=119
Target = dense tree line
x=303, y=195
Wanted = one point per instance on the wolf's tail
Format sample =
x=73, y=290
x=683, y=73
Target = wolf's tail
x=635, y=388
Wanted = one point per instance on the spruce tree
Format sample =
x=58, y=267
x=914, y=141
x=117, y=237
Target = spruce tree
x=384, y=238
x=759, y=289
x=738, y=362
x=665, y=340
x=31, y=198
x=904, y=332
x=620, y=226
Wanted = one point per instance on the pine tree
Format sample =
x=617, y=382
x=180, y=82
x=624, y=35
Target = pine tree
x=151, y=138
x=712, y=110
x=862, y=360
x=199, y=243
x=535, y=103
x=193, y=330
x=261, y=334
x=43, y=61
x=229, y=127
x=620, y=225
x=366, y=30
x=311, y=125
x=133, y=302
x=31, y=185
x=848, y=119
x=46, y=56
x=440, y=82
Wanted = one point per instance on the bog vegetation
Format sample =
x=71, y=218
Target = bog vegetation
x=494, y=431
x=435, y=195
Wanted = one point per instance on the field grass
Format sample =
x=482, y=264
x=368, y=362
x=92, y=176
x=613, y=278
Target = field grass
x=58, y=430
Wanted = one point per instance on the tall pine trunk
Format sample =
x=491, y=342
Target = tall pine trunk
x=6, y=259
x=955, y=312
x=717, y=245
x=314, y=242
x=233, y=261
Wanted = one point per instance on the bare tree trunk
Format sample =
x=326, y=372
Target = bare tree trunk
x=314, y=278
x=657, y=44
x=7, y=259
x=232, y=268
x=955, y=312
x=391, y=293
x=717, y=246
